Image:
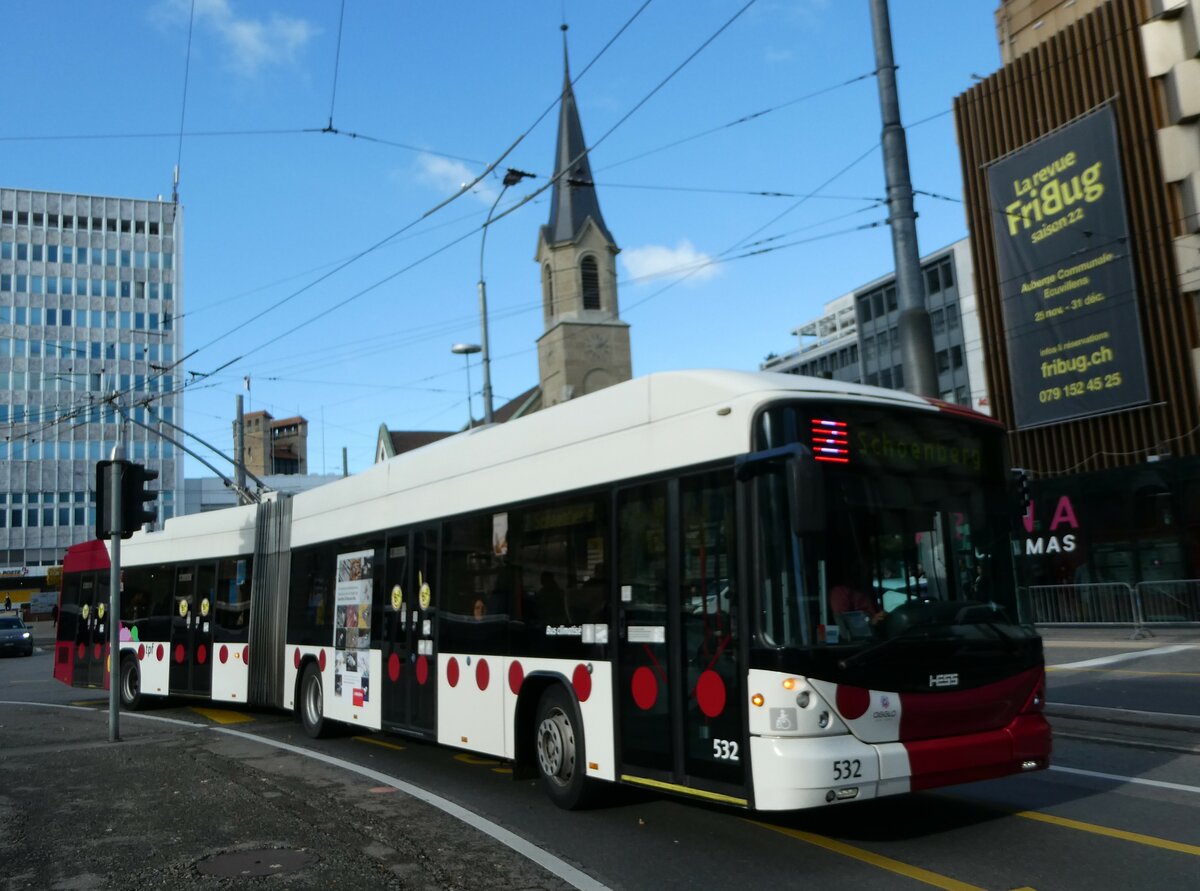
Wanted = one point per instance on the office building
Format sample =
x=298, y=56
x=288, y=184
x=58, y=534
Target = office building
x=857, y=338
x=90, y=287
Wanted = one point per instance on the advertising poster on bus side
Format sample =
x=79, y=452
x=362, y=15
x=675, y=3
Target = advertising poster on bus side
x=1067, y=282
x=352, y=626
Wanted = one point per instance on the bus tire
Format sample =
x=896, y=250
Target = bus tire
x=559, y=746
x=312, y=702
x=131, y=684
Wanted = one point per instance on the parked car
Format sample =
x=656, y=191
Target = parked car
x=15, y=636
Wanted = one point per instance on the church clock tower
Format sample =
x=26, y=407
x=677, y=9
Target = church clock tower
x=585, y=346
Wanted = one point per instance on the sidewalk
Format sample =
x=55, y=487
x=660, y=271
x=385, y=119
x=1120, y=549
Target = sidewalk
x=186, y=806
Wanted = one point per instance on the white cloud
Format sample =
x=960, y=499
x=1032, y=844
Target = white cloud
x=447, y=175
x=253, y=43
x=683, y=260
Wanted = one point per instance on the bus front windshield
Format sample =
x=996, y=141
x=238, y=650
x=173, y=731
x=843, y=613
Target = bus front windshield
x=912, y=532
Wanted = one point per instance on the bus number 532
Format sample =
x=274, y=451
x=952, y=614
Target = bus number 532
x=845, y=770
x=725, y=749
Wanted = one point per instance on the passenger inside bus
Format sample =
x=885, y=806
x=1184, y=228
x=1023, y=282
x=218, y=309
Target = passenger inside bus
x=854, y=611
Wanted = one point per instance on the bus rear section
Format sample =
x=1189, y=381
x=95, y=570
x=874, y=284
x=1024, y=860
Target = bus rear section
x=81, y=639
x=889, y=654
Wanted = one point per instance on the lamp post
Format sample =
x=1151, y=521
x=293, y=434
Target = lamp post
x=466, y=350
x=511, y=177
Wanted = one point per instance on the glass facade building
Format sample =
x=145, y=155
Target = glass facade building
x=90, y=293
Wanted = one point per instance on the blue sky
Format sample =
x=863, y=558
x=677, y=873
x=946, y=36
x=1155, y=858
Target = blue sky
x=436, y=92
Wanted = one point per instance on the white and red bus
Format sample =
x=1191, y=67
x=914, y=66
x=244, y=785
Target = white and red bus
x=770, y=591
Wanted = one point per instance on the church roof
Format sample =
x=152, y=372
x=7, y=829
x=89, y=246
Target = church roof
x=573, y=199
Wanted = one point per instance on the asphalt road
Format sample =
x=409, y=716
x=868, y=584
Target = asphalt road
x=1117, y=810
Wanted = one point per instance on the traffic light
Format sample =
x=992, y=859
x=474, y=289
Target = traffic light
x=135, y=513
x=1021, y=479
x=104, y=471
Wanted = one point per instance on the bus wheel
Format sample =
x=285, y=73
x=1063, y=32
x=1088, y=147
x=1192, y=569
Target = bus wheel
x=131, y=685
x=558, y=742
x=312, y=702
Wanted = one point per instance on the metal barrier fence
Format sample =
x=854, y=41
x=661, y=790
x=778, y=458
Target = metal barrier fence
x=1177, y=600
x=1169, y=601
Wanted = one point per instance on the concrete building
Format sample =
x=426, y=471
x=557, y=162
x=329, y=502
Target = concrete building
x=857, y=338
x=203, y=494
x=90, y=288
x=274, y=446
x=1081, y=168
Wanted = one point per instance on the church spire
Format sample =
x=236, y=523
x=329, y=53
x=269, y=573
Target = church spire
x=573, y=199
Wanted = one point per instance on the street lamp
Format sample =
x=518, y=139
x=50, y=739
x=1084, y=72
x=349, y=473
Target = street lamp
x=511, y=177
x=467, y=350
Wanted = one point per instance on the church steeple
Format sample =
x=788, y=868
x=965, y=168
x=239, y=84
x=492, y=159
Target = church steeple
x=585, y=346
x=573, y=198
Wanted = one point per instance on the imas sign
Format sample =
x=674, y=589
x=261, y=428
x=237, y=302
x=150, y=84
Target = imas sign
x=1063, y=527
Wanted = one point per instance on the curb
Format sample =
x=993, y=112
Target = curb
x=1130, y=717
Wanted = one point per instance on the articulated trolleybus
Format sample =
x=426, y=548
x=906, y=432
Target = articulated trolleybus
x=770, y=591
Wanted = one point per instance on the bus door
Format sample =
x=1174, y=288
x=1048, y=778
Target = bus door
x=90, y=630
x=409, y=653
x=191, y=636
x=206, y=621
x=681, y=694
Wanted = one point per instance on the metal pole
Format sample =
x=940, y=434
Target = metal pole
x=483, y=320
x=916, y=332
x=116, y=473
x=345, y=463
x=239, y=452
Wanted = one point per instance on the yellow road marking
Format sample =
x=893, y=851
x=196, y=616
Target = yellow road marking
x=90, y=702
x=222, y=716
x=379, y=742
x=507, y=770
x=686, y=790
x=471, y=759
x=1135, y=837
x=1157, y=674
x=878, y=860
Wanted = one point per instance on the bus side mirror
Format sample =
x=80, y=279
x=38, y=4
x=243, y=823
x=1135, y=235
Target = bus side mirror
x=806, y=492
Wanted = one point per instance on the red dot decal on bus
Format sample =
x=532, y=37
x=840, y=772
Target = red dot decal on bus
x=483, y=674
x=393, y=668
x=223, y=654
x=201, y=654
x=82, y=651
x=852, y=702
x=451, y=672
x=422, y=670
x=710, y=693
x=179, y=653
x=158, y=654
x=321, y=660
x=516, y=677
x=582, y=681
x=246, y=654
x=296, y=658
x=141, y=652
x=96, y=651
x=645, y=688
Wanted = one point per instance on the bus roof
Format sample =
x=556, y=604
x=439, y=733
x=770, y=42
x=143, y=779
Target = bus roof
x=640, y=427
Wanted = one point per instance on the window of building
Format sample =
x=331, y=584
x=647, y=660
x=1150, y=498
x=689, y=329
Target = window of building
x=952, y=316
x=110, y=257
x=111, y=224
x=877, y=304
x=37, y=253
x=956, y=357
x=898, y=376
x=22, y=251
x=590, y=279
x=937, y=319
x=864, y=308
x=68, y=253
x=947, y=271
x=22, y=218
x=933, y=282
x=885, y=378
x=943, y=360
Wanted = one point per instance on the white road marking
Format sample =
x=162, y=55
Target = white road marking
x=576, y=878
x=1124, y=657
x=1158, y=784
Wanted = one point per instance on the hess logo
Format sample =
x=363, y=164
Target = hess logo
x=943, y=680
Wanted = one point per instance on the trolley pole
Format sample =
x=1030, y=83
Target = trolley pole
x=114, y=594
x=916, y=332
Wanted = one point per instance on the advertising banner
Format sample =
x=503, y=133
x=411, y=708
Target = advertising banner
x=1066, y=275
x=352, y=626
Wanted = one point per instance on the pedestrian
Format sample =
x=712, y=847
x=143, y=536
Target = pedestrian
x=54, y=615
x=8, y=603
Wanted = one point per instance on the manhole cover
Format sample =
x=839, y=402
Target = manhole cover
x=271, y=862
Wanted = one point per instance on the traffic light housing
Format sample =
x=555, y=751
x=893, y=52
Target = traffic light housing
x=132, y=478
x=135, y=513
